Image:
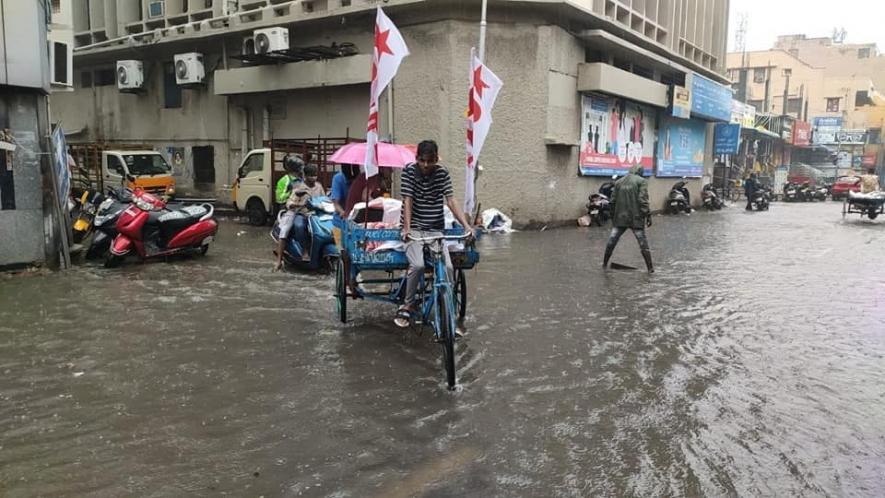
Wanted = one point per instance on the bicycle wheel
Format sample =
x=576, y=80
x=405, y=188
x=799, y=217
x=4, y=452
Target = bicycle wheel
x=460, y=291
x=341, y=290
x=446, y=335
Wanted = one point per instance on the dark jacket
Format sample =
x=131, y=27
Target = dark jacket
x=750, y=186
x=629, y=201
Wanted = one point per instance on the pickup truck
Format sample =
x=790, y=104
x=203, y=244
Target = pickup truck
x=100, y=166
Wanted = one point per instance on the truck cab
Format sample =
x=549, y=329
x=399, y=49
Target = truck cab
x=253, y=190
x=145, y=169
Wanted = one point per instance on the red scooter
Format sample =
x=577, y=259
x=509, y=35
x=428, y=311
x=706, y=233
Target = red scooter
x=152, y=230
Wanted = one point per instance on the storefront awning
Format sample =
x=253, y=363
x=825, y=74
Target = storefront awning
x=763, y=131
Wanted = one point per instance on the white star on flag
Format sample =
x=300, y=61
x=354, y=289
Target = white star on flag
x=390, y=49
x=484, y=88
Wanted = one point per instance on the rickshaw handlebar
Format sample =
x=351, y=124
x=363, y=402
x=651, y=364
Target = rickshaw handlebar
x=438, y=237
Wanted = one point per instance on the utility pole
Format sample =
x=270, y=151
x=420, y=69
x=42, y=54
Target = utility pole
x=482, y=32
x=787, y=73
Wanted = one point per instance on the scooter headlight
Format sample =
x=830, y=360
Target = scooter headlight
x=143, y=204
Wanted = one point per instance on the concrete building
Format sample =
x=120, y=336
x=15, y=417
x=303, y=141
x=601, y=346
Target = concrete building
x=629, y=54
x=29, y=212
x=820, y=77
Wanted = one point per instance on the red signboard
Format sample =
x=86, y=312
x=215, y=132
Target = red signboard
x=869, y=159
x=801, y=133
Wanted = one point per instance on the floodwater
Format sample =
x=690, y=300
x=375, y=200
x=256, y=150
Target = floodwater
x=751, y=364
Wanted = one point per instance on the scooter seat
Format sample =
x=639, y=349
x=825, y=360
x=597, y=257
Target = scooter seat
x=172, y=222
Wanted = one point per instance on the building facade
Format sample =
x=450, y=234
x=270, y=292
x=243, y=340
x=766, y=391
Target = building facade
x=557, y=60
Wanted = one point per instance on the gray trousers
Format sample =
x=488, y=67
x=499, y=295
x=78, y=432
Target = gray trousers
x=638, y=232
x=415, y=255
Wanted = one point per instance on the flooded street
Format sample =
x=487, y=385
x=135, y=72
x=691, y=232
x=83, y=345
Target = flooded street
x=752, y=363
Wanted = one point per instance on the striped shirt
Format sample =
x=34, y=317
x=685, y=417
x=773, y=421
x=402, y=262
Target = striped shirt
x=428, y=195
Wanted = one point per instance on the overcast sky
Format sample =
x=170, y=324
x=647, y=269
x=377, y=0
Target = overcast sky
x=864, y=20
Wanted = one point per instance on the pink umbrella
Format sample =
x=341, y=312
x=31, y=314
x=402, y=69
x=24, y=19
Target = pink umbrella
x=389, y=155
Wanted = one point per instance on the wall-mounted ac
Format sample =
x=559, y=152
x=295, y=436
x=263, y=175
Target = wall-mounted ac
x=61, y=64
x=130, y=76
x=271, y=39
x=189, y=68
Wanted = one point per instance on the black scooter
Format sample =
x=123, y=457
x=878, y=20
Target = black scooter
x=116, y=201
x=678, y=200
x=711, y=199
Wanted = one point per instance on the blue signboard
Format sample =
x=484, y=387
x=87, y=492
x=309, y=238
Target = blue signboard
x=828, y=122
x=681, y=146
x=709, y=99
x=726, y=138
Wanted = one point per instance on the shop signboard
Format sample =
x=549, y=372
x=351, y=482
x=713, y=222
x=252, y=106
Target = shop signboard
x=743, y=114
x=801, y=133
x=851, y=137
x=616, y=134
x=681, y=102
x=726, y=138
x=869, y=159
x=681, y=148
x=825, y=130
x=709, y=99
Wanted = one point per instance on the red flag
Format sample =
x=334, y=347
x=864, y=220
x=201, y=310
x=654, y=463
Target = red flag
x=390, y=50
x=484, y=88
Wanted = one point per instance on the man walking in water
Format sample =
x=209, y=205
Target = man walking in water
x=629, y=205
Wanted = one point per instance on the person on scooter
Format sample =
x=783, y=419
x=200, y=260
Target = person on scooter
x=426, y=189
x=751, y=185
x=297, y=202
x=629, y=205
x=294, y=167
x=869, y=182
x=294, y=164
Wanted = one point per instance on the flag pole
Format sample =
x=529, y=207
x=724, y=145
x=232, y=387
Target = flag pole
x=482, y=32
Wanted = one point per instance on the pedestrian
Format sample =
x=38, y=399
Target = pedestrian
x=629, y=205
x=750, y=188
x=426, y=189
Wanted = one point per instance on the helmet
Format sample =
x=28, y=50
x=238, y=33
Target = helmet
x=294, y=164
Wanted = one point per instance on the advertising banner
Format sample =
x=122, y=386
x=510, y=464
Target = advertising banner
x=709, y=99
x=743, y=114
x=851, y=137
x=681, y=148
x=616, y=134
x=801, y=134
x=825, y=130
x=726, y=138
x=681, y=102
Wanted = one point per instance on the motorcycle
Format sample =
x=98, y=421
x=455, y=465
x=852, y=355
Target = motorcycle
x=791, y=192
x=761, y=199
x=115, y=202
x=151, y=229
x=710, y=198
x=678, y=199
x=599, y=207
x=322, y=251
x=820, y=193
x=806, y=193
x=83, y=223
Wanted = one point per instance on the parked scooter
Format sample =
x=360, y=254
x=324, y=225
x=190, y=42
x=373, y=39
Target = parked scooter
x=678, y=199
x=83, y=222
x=599, y=207
x=150, y=229
x=711, y=199
x=791, y=192
x=115, y=202
x=322, y=249
x=819, y=193
x=806, y=193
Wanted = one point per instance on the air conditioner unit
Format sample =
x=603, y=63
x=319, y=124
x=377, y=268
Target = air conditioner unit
x=189, y=68
x=271, y=40
x=130, y=76
x=156, y=8
x=61, y=62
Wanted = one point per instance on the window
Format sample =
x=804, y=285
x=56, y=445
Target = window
x=794, y=106
x=253, y=164
x=757, y=104
x=875, y=135
x=146, y=164
x=105, y=77
x=759, y=75
x=643, y=71
x=833, y=104
x=86, y=79
x=345, y=3
x=115, y=165
x=862, y=98
x=56, y=6
x=863, y=53
x=60, y=61
x=171, y=90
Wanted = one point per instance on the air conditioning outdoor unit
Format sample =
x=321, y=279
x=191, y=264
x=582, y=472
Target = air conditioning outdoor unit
x=271, y=40
x=189, y=68
x=130, y=76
